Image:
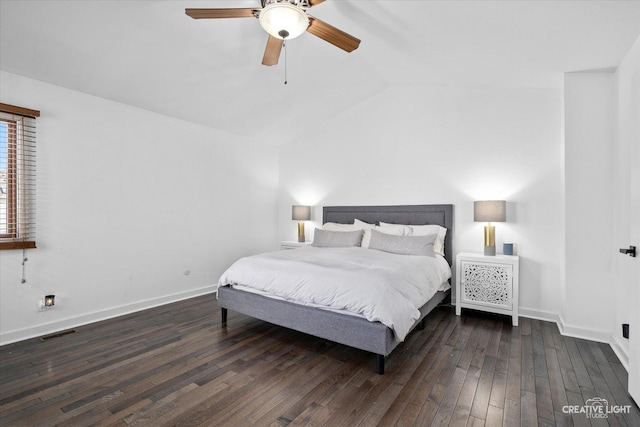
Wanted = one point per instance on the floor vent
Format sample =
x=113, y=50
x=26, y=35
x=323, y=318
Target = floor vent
x=57, y=335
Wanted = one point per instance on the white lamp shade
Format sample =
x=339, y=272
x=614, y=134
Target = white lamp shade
x=284, y=20
x=490, y=211
x=301, y=213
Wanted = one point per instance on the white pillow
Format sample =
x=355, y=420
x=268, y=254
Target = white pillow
x=363, y=225
x=425, y=230
x=398, y=229
x=366, y=237
x=334, y=226
x=366, y=227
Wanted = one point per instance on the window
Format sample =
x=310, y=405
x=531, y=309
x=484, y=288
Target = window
x=17, y=177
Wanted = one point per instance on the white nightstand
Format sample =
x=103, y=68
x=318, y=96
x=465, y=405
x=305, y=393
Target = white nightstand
x=488, y=283
x=292, y=244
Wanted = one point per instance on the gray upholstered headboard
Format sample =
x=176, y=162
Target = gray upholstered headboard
x=403, y=214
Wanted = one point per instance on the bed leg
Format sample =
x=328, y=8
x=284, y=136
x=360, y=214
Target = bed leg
x=380, y=364
x=423, y=324
x=224, y=316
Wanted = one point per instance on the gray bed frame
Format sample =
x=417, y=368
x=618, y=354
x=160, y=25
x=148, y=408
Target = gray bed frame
x=342, y=328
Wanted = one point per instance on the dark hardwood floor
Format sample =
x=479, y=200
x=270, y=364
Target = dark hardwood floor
x=176, y=365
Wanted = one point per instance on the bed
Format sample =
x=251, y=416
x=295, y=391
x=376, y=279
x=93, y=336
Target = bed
x=358, y=332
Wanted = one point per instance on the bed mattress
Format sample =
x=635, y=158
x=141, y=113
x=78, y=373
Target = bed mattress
x=376, y=285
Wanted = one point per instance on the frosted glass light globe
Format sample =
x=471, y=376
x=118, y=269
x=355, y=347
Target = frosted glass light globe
x=284, y=20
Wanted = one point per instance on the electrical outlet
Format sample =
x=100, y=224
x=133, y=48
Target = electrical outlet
x=48, y=303
x=50, y=300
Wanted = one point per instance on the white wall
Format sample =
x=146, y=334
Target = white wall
x=127, y=200
x=589, y=114
x=424, y=145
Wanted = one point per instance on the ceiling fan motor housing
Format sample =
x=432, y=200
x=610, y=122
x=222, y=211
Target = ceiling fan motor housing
x=300, y=3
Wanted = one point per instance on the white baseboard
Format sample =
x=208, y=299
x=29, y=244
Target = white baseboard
x=582, y=333
x=73, y=322
x=577, y=332
x=567, y=330
x=620, y=350
x=538, y=315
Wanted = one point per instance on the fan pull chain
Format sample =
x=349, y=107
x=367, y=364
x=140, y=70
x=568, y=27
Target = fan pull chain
x=284, y=45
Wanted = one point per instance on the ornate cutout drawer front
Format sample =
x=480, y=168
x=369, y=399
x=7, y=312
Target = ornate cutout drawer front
x=486, y=283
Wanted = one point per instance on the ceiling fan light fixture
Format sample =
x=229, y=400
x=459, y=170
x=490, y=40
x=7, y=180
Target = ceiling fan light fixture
x=284, y=20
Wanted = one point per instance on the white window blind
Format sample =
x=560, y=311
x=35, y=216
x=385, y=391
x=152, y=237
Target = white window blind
x=17, y=177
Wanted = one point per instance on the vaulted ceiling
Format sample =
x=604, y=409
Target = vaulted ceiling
x=149, y=54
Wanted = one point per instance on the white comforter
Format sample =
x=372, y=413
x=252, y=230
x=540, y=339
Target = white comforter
x=376, y=285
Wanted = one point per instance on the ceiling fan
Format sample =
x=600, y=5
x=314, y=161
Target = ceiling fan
x=283, y=20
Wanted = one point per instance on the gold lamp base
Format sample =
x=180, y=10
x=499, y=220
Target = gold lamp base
x=489, y=240
x=301, y=232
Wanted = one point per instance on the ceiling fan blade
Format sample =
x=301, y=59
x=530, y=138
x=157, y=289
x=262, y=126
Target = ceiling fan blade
x=315, y=2
x=332, y=35
x=272, y=51
x=220, y=13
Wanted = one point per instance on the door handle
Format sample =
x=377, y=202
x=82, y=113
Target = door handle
x=631, y=251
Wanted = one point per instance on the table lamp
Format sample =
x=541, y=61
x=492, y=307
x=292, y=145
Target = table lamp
x=489, y=211
x=301, y=213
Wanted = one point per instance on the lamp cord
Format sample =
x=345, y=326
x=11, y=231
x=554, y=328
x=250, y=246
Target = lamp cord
x=24, y=260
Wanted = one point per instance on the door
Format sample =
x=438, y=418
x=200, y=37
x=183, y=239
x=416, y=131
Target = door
x=633, y=264
x=628, y=217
